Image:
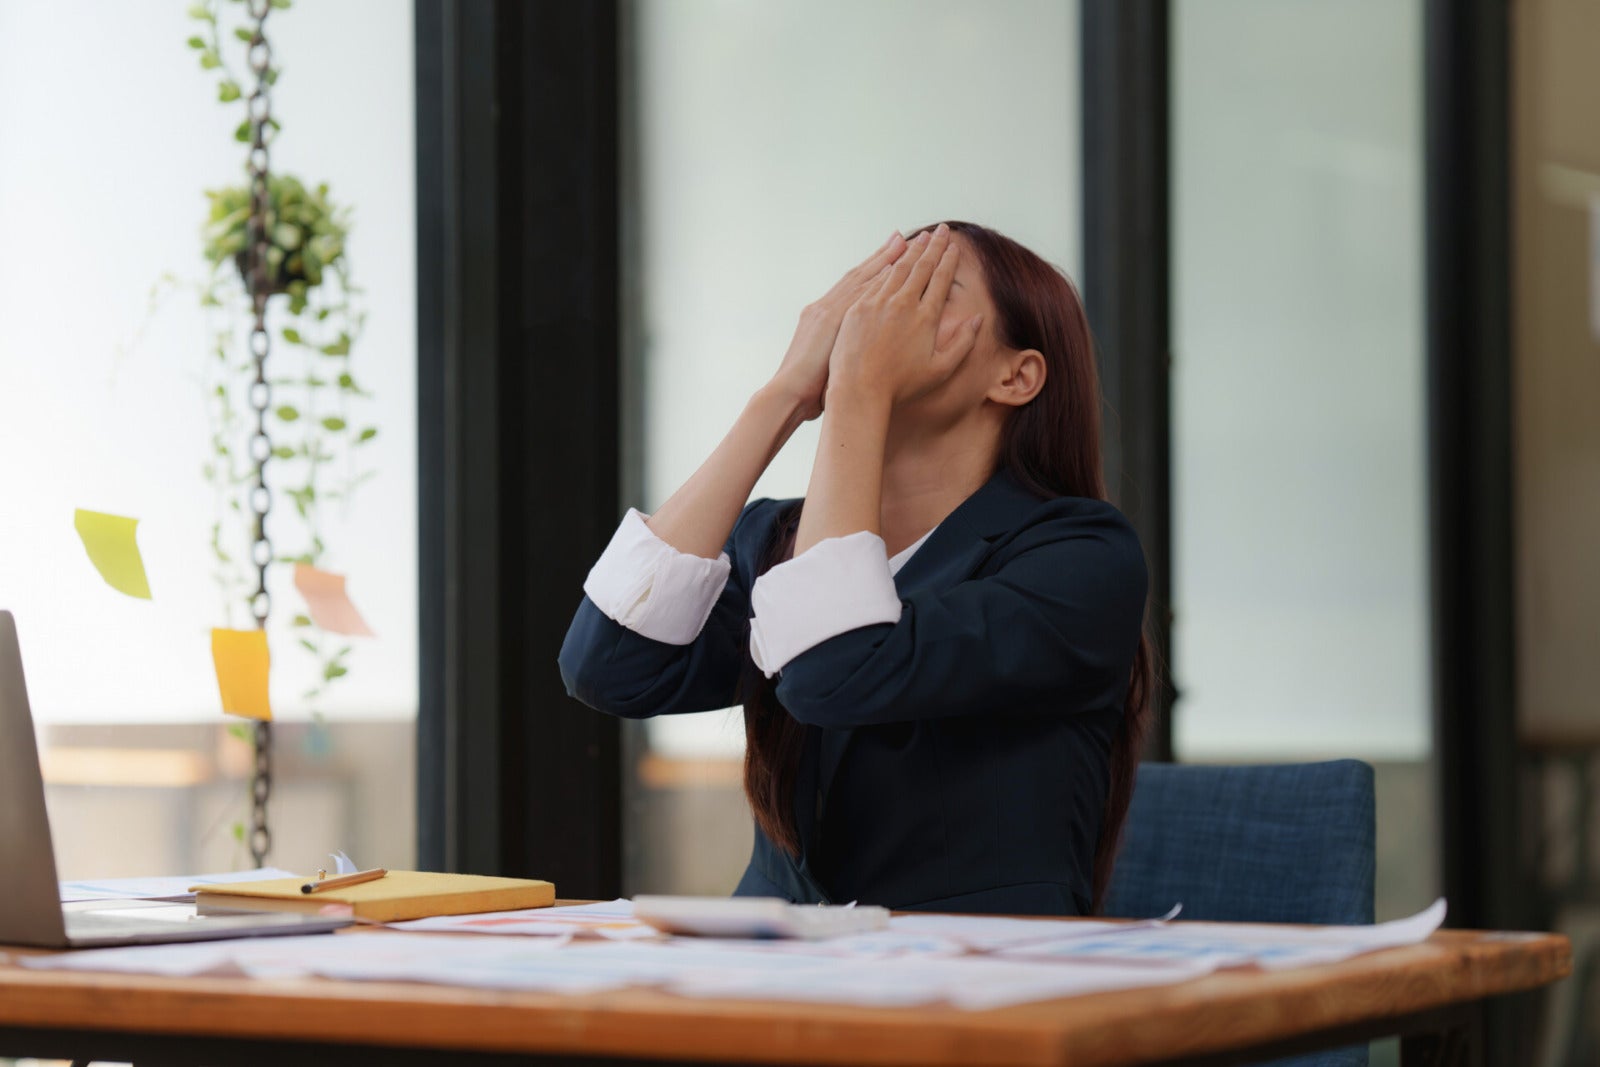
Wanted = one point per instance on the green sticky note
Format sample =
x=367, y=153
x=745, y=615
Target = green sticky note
x=112, y=549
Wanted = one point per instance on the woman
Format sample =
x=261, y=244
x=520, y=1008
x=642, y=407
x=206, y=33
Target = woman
x=940, y=653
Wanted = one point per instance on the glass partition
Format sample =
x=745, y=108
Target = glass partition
x=108, y=402
x=1298, y=437
x=773, y=146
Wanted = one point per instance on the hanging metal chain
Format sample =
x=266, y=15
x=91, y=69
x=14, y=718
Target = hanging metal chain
x=259, y=286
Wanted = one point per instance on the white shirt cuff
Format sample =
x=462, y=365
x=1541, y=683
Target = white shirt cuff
x=837, y=585
x=653, y=589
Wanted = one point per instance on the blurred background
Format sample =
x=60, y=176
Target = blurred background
x=1342, y=258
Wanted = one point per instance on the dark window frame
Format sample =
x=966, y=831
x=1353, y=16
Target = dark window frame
x=1127, y=284
x=517, y=432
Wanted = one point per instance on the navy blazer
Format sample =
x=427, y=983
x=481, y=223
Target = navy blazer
x=956, y=760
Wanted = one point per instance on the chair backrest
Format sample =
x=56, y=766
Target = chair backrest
x=1288, y=843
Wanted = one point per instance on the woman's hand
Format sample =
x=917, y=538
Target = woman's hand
x=889, y=347
x=803, y=374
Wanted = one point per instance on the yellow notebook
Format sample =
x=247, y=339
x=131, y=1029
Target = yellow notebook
x=397, y=895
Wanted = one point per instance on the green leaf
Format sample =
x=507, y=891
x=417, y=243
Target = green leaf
x=332, y=671
x=245, y=34
x=271, y=76
x=288, y=413
x=228, y=91
x=333, y=424
x=281, y=5
x=308, y=646
x=341, y=347
x=196, y=42
x=199, y=11
x=209, y=60
x=301, y=620
x=238, y=832
x=283, y=452
x=240, y=731
x=366, y=435
x=242, y=131
x=292, y=335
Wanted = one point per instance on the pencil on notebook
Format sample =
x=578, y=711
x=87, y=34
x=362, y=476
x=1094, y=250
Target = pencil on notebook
x=344, y=880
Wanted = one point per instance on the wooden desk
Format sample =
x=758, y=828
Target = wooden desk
x=1428, y=993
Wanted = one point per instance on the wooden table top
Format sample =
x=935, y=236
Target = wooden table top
x=1226, y=1010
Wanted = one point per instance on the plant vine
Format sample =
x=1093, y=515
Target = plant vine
x=318, y=421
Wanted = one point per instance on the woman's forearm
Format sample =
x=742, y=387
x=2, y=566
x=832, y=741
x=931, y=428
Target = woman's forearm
x=698, y=518
x=846, y=490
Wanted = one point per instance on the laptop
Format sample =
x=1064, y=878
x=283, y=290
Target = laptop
x=31, y=912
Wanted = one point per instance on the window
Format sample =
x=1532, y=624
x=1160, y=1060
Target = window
x=104, y=406
x=772, y=153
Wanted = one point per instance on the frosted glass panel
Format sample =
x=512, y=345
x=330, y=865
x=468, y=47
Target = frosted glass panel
x=103, y=403
x=779, y=143
x=1299, y=507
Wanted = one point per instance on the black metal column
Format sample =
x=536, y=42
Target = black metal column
x=1470, y=477
x=1126, y=284
x=518, y=421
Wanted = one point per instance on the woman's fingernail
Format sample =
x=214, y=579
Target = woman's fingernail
x=943, y=229
x=922, y=238
x=892, y=235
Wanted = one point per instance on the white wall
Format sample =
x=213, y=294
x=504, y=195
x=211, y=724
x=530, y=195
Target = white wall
x=108, y=133
x=780, y=143
x=1299, y=510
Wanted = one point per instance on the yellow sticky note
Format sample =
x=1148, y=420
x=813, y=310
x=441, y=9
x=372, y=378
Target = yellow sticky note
x=327, y=603
x=113, y=551
x=243, y=663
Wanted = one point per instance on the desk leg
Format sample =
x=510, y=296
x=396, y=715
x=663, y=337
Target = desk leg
x=1459, y=1044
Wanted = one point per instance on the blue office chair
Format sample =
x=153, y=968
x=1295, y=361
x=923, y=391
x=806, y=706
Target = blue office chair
x=1292, y=843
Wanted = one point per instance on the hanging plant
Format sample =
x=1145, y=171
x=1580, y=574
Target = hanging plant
x=316, y=421
x=306, y=230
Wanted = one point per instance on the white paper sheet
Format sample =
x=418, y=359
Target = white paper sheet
x=1238, y=944
x=985, y=934
x=612, y=920
x=969, y=983
x=163, y=888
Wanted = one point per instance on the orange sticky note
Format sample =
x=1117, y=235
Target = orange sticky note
x=327, y=603
x=243, y=663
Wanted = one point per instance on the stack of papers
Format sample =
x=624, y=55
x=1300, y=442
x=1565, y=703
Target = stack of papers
x=176, y=889
x=1219, y=945
x=968, y=962
x=611, y=920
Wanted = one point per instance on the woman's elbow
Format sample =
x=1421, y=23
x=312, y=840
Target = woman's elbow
x=587, y=670
x=588, y=682
x=815, y=697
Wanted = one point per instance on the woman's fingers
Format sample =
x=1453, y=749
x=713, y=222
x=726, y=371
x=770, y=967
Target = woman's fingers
x=961, y=341
x=932, y=251
x=944, y=273
x=872, y=267
x=897, y=274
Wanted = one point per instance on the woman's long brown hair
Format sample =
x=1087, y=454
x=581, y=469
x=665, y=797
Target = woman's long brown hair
x=1051, y=446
